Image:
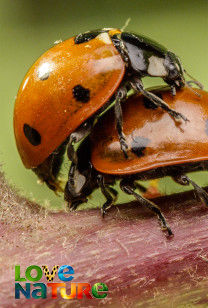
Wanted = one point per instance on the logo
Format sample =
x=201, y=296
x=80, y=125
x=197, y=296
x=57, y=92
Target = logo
x=28, y=287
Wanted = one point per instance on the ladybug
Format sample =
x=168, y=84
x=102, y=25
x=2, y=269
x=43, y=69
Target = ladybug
x=73, y=82
x=157, y=147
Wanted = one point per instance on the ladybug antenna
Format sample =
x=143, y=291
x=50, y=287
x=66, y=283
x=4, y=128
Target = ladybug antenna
x=194, y=81
x=126, y=24
x=187, y=83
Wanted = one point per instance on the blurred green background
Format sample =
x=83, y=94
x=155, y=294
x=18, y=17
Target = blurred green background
x=29, y=27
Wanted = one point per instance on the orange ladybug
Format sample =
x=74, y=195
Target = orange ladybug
x=73, y=82
x=157, y=147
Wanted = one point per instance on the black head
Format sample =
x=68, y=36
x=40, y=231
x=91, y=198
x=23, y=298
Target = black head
x=49, y=170
x=174, y=70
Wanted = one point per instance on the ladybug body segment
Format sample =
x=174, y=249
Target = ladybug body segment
x=154, y=139
x=156, y=149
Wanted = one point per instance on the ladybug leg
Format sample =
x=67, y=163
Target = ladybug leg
x=173, y=90
x=109, y=193
x=82, y=132
x=82, y=179
x=138, y=86
x=185, y=180
x=128, y=187
x=140, y=187
x=74, y=186
x=194, y=82
x=71, y=153
x=76, y=180
x=120, y=96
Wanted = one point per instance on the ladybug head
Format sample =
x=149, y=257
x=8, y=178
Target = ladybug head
x=175, y=73
x=48, y=171
x=175, y=76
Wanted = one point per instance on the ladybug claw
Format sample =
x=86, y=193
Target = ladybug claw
x=168, y=230
x=170, y=233
x=103, y=212
x=125, y=152
x=72, y=209
x=124, y=148
x=57, y=186
x=73, y=206
x=184, y=118
x=178, y=115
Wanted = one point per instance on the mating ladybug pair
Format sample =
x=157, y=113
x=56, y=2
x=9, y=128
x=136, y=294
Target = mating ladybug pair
x=72, y=84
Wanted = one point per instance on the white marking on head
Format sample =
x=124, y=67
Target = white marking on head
x=156, y=67
x=105, y=38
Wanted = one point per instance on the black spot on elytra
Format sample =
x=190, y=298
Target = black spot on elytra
x=32, y=135
x=81, y=94
x=138, y=145
x=149, y=104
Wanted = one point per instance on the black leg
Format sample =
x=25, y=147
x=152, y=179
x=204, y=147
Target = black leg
x=71, y=153
x=113, y=191
x=109, y=193
x=128, y=188
x=173, y=90
x=140, y=187
x=73, y=200
x=138, y=86
x=71, y=192
x=71, y=178
x=82, y=132
x=185, y=180
x=74, y=186
x=120, y=95
x=76, y=180
x=194, y=82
